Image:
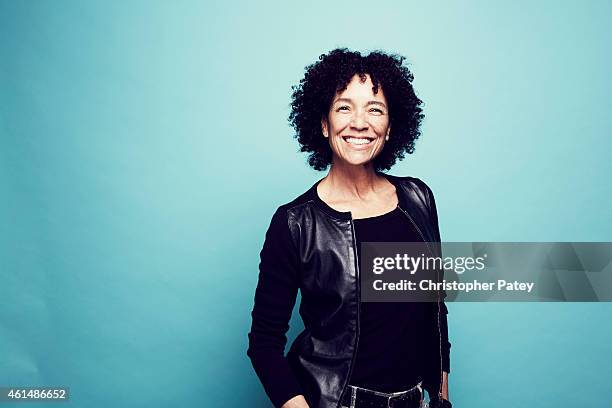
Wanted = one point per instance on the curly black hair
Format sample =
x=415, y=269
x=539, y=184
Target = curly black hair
x=311, y=101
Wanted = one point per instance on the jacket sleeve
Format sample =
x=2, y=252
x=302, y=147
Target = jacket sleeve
x=432, y=382
x=443, y=309
x=274, y=301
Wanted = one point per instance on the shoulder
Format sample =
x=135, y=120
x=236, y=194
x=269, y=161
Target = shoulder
x=411, y=183
x=302, y=200
x=415, y=189
x=284, y=213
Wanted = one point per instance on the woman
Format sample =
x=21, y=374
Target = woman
x=356, y=115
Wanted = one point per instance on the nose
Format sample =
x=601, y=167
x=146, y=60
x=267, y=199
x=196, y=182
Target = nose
x=358, y=121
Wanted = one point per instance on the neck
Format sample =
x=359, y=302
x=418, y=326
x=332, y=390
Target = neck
x=352, y=182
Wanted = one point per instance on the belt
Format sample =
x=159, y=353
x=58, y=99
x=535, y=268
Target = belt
x=358, y=397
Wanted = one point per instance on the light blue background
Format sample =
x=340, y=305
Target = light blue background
x=144, y=147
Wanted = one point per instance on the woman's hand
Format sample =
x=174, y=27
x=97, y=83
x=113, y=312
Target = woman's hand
x=296, y=402
x=444, y=390
x=442, y=401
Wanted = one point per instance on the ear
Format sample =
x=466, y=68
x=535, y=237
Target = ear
x=388, y=132
x=324, y=127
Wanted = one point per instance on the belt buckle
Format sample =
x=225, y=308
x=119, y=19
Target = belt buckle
x=371, y=399
x=406, y=397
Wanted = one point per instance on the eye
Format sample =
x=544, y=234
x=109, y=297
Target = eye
x=377, y=111
x=343, y=108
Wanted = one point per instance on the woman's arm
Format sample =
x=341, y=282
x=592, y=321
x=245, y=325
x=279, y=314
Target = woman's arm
x=445, y=344
x=274, y=301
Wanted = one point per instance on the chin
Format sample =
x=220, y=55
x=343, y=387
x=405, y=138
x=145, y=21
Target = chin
x=355, y=161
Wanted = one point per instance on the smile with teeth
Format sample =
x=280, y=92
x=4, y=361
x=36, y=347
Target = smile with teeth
x=358, y=140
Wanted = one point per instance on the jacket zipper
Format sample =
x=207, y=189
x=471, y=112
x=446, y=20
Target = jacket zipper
x=439, y=310
x=357, y=278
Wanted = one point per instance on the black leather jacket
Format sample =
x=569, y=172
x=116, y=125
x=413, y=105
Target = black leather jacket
x=322, y=355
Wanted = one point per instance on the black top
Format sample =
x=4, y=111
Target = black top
x=389, y=351
x=389, y=335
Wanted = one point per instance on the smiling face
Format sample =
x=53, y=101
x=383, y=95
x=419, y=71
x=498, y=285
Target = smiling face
x=357, y=123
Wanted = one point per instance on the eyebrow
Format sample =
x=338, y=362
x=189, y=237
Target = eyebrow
x=368, y=103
